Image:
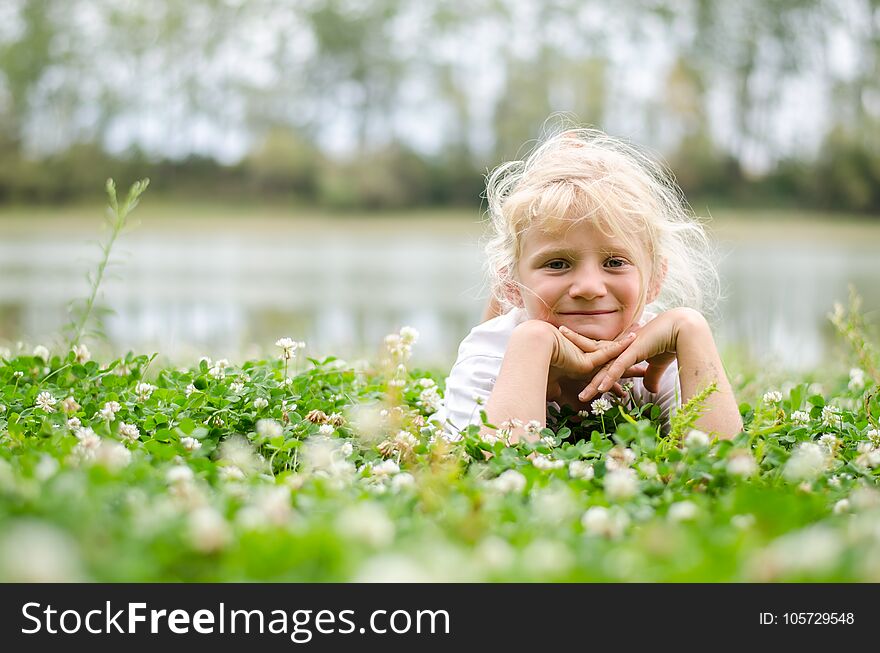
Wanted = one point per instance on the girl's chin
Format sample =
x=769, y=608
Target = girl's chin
x=592, y=332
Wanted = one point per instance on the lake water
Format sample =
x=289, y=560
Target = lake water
x=196, y=288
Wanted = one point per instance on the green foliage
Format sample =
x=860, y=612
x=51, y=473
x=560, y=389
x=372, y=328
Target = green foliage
x=222, y=471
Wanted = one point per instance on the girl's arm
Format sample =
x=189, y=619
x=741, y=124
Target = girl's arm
x=684, y=334
x=536, y=355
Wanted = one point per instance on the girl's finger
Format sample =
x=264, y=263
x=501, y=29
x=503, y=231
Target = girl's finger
x=591, y=389
x=605, y=354
x=635, y=370
x=602, y=382
x=586, y=345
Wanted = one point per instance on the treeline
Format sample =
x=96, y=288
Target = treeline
x=385, y=103
x=844, y=176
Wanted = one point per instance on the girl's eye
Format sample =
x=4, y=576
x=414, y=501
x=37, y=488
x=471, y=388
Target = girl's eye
x=556, y=264
x=616, y=262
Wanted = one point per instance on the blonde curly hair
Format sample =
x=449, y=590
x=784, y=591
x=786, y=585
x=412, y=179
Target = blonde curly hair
x=583, y=174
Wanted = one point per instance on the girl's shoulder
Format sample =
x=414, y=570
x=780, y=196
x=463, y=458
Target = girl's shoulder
x=490, y=337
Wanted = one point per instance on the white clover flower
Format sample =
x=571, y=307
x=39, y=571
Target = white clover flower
x=427, y=383
x=405, y=441
x=190, y=389
x=841, y=506
x=73, y=423
x=856, y=379
x=46, y=468
x=741, y=463
x=190, y=444
x=322, y=456
x=605, y=522
x=430, y=399
x=600, y=406
x=772, y=397
x=230, y=473
x=144, y=391
x=81, y=354
x=179, y=474
x=829, y=442
x=46, y=401
x=208, y=530
x=269, y=428
x=346, y=449
x=288, y=348
x=217, y=372
x=33, y=551
x=490, y=437
x=368, y=522
x=547, y=557
x=534, y=428
x=683, y=511
x=831, y=416
x=408, y=335
x=581, y=469
x=619, y=457
x=815, y=549
x=260, y=403
x=621, y=484
x=869, y=455
x=806, y=463
x=648, y=468
x=69, y=405
x=129, y=431
x=402, y=481
x=742, y=522
x=236, y=387
x=385, y=468
x=326, y=429
x=41, y=352
x=87, y=446
x=545, y=463
x=874, y=436
x=112, y=455
x=109, y=409
x=495, y=553
x=800, y=417
x=509, y=481
x=696, y=439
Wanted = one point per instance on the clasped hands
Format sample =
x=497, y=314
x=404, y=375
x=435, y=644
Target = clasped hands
x=582, y=368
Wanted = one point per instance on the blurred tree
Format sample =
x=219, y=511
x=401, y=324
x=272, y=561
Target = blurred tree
x=355, y=65
x=23, y=61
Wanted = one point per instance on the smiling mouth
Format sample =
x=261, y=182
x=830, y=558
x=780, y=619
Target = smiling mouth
x=588, y=312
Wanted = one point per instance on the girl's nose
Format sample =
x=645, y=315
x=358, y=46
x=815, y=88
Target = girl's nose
x=587, y=284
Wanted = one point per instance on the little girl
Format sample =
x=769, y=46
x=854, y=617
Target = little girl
x=585, y=233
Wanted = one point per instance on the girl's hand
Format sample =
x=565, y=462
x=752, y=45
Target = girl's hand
x=575, y=357
x=656, y=343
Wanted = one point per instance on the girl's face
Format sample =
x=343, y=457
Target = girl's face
x=581, y=278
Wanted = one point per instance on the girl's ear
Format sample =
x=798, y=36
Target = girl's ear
x=511, y=293
x=657, y=281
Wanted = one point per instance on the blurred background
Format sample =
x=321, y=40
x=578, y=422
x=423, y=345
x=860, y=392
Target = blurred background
x=316, y=166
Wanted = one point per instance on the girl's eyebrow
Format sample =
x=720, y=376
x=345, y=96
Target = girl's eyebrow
x=554, y=250
x=606, y=249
